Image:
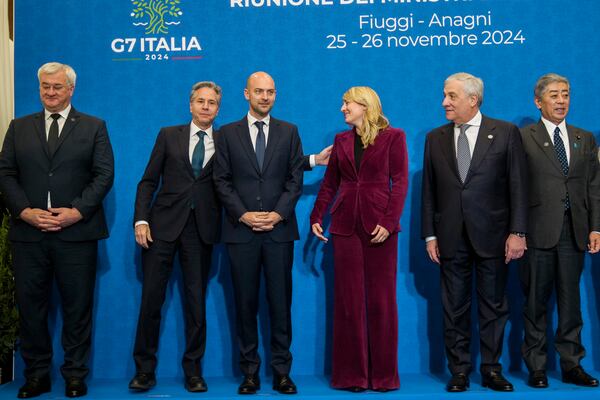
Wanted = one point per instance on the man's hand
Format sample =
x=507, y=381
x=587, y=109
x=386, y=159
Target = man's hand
x=433, y=250
x=594, y=244
x=515, y=248
x=380, y=234
x=323, y=157
x=40, y=219
x=317, y=230
x=261, y=221
x=66, y=216
x=143, y=236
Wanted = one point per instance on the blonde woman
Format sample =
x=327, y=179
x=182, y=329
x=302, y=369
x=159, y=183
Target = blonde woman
x=368, y=177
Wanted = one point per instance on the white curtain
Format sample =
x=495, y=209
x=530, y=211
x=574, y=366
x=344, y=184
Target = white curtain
x=7, y=99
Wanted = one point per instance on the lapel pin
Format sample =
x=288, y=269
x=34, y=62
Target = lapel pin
x=546, y=144
x=72, y=119
x=490, y=136
x=578, y=137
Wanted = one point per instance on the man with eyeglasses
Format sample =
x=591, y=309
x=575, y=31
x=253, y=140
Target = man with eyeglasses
x=56, y=167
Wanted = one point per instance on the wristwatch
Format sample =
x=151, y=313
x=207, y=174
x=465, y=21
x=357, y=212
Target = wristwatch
x=519, y=234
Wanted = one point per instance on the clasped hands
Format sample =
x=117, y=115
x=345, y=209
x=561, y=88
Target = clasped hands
x=261, y=221
x=51, y=220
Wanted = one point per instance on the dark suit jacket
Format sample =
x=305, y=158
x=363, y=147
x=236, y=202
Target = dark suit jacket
x=79, y=174
x=368, y=194
x=491, y=203
x=170, y=166
x=242, y=187
x=548, y=186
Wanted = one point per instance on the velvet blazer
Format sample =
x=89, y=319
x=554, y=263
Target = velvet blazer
x=373, y=195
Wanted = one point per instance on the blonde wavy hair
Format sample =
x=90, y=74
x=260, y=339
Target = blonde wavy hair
x=373, y=120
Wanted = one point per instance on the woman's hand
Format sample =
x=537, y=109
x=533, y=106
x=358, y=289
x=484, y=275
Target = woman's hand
x=317, y=230
x=380, y=234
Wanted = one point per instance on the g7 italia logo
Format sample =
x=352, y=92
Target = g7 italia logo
x=157, y=18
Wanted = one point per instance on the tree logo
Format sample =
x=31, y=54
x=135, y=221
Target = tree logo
x=155, y=11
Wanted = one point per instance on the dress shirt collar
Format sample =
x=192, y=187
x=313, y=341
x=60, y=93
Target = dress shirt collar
x=64, y=113
x=252, y=119
x=194, y=129
x=475, y=121
x=551, y=126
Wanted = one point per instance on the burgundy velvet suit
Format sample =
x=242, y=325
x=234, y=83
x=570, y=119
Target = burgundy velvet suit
x=365, y=328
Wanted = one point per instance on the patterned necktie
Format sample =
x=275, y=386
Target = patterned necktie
x=198, y=154
x=260, y=144
x=463, y=154
x=559, y=148
x=53, y=134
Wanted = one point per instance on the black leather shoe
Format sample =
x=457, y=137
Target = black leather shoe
x=284, y=384
x=75, y=387
x=195, y=384
x=458, y=383
x=250, y=384
x=354, y=389
x=538, y=379
x=495, y=381
x=579, y=377
x=34, y=386
x=142, y=381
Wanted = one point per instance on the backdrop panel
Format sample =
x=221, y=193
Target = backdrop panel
x=135, y=71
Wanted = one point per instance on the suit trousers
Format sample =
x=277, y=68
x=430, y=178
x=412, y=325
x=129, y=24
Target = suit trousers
x=157, y=264
x=275, y=259
x=365, y=312
x=492, y=306
x=543, y=270
x=73, y=265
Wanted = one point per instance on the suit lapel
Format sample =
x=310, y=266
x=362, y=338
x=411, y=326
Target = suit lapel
x=575, y=145
x=541, y=136
x=485, y=138
x=70, y=123
x=274, y=137
x=448, y=148
x=347, y=145
x=40, y=129
x=183, y=143
x=244, y=139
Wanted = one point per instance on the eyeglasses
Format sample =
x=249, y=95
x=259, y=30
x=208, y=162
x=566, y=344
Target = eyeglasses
x=57, y=87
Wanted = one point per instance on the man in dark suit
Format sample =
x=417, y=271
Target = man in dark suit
x=563, y=221
x=56, y=167
x=258, y=175
x=177, y=211
x=473, y=218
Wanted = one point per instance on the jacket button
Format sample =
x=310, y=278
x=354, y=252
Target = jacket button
x=50, y=174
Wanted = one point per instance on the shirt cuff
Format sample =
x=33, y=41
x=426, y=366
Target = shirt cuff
x=142, y=222
x=312, y=159
x=430, y=238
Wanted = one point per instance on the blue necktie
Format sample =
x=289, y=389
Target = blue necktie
x=260, y=144
x=559, y=148
x=463, y=154
x=198, y=154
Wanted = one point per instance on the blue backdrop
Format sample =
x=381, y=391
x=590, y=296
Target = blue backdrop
x=135, y=69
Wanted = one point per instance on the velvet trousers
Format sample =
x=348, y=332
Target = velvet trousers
x=365, y=313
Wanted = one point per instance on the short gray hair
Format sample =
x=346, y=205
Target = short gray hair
x=542, y=84
x=207, y=84
x=473, y=85
x=54, y=67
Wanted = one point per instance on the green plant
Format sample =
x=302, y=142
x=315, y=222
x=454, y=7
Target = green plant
x=9, y=317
